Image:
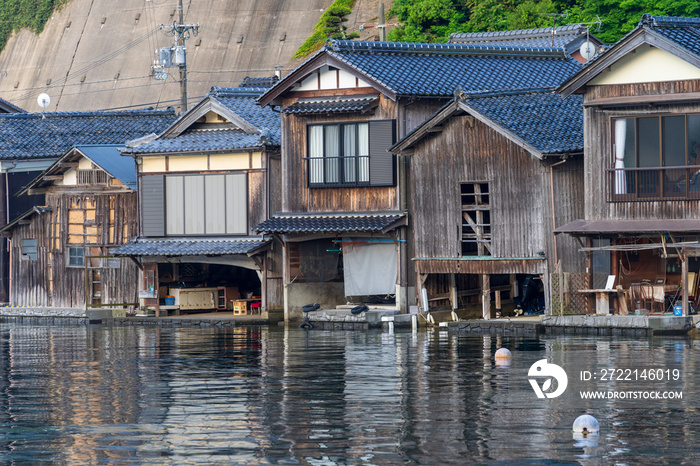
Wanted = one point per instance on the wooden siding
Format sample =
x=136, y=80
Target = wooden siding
x=297, y=197
x=640, y=89
x=29, y=283
x=274, y=266
x=468, y=150
x=274, y=183
x=413, y=112
x=486, y=266
x=108, y=219
x=599, y=151
x=568, y=206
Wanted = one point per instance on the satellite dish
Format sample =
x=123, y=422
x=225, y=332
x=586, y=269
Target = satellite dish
x=587, y=50
x=43, y=100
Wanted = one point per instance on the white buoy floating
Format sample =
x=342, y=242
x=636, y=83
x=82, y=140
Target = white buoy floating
x=502, y=353
x=585, y=425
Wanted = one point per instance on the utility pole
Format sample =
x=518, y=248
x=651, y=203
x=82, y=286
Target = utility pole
x=179, y=28
x=168, y=57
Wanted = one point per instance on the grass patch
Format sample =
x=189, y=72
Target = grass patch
x=21, y=14
x=329, y=26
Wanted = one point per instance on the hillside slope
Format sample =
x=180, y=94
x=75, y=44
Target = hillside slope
x=97, y=54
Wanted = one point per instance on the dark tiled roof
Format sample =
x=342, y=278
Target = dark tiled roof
x=188, y=246
x=558, y=37
x=339, y=105
x=545, y=120
x=50, y=135
x=438, y=69
x=202, y=140
x=242, y=101
x=265, y=119
x=329, y=222
x=681, y=30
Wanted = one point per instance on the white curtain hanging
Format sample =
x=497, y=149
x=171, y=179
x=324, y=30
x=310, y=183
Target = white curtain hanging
x=316, y=152
x=369, y=268
x=620, y=137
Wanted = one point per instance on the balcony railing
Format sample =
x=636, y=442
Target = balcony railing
x=653, y=184
x=337, y=171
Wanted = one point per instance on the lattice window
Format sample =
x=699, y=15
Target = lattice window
x=95, y=176
x=565, y=298
x=476, y=218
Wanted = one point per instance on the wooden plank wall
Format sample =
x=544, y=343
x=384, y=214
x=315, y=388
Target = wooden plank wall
x=115, y=223
x=297, y=197
x=274, y=265
x=468, y=150
x=599, y=150
x=568, y=206
x=30, y=279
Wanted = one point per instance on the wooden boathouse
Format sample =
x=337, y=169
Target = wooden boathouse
x=641, y=222
x=491, y=174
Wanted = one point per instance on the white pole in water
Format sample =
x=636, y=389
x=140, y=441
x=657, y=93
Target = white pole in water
x=414, y=323
x=391, y=327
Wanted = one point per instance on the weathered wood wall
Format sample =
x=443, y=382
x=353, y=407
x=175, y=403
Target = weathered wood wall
x=568, y=185
x=467, y=150
x=297, y=197
x=274, y=265
x=107, y=219
x=599, y=149
x=30, y=279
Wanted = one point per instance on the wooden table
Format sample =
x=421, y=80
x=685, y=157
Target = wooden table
x=602, y=299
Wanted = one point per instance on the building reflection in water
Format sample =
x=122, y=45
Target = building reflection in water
x=257, y=394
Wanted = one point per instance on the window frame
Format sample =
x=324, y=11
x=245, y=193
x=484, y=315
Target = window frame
x=29, y=255
x=358, y=160
x=228, y=209
x=70, y=256
x=658, y=182
x=476, y=240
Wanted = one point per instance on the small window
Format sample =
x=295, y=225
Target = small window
x=476, y=218
x=29, y=249
x=76, y=257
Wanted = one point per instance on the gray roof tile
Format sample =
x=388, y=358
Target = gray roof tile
x=339, y=105
x=288, y=222
x=240, y=100
x=543, y=119
x=50, y=135
x=558, y=37
x=188, y=246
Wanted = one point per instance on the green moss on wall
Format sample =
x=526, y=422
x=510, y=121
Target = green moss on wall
x=29, y=14
x=329, y=26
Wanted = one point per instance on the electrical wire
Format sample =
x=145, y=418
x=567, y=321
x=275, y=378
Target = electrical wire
x=94, y=64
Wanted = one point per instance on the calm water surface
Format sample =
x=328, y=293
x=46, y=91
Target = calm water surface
x=119, y=395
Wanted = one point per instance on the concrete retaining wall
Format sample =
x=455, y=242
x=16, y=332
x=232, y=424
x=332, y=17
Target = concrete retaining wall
x=617, y=325
x=11, y=311
x=495, y=327
x=297, y=295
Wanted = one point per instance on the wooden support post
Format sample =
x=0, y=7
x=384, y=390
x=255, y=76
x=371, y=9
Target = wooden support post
x=684, y=273
x=486, y=296
x=499, y=310
x=453, y=291
x=622, y=301
x=513, y=286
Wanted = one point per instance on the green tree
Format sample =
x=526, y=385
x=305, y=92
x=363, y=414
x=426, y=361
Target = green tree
x=329, y=25
x=20, y=14
x=426, y=20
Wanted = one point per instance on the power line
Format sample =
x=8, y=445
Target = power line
x=94, y=64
